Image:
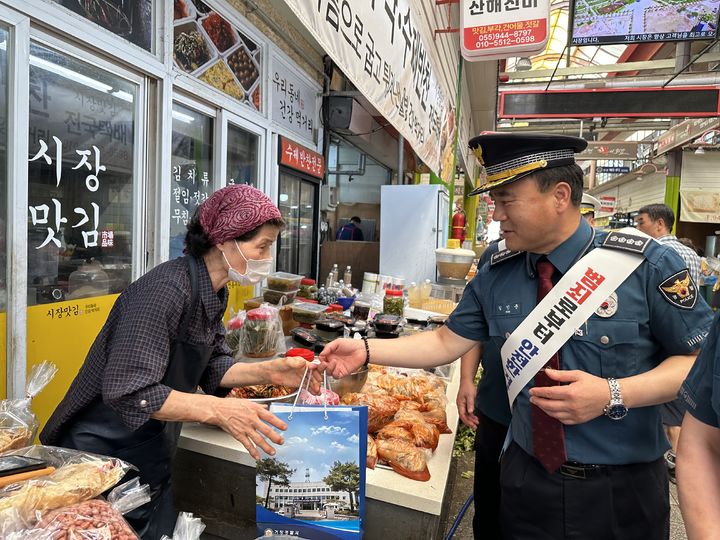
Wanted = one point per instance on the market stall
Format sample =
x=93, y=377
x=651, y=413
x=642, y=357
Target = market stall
x=214, y=477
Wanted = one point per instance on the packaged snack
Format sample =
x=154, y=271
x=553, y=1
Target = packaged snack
x=404, y=458
x=18, y=424
x=262, y=333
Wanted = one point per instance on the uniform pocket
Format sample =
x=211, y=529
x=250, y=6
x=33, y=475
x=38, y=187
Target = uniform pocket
x=609, y=345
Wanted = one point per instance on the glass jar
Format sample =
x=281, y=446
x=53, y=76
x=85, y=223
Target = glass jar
x=308, y=289
x=393, y=303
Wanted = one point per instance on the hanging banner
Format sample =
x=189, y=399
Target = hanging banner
x=609, y=150
x=685, y=132
x=700, y=206
x=608, y=204
x=380, y=48
x=494, y=29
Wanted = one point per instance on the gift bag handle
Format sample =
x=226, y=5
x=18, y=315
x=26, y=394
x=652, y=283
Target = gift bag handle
x=307, y=389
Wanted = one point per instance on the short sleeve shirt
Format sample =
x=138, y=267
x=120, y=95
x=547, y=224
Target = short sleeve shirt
x=701, y=390
x=645, y=329
x=127, y=361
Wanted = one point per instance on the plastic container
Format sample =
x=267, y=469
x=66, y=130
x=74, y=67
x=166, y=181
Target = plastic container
x=453, y=263
x=329, y=329
x=386, y=322
x=393, y=303
x=284, y=281
x=306, y=313
x=308, y=288
x=347, y=276
x=345, y=301
x=370, y=282
x=307, y=354
x=361, y=310
x=304, y=337
x=274, y=297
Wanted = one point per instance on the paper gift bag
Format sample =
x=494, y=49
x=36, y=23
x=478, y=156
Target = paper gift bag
x=314, y=486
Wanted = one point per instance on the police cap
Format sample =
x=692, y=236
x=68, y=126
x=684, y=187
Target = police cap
x=508, y=157
x=589, y=204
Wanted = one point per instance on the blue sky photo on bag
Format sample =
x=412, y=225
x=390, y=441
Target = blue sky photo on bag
x=314, y=486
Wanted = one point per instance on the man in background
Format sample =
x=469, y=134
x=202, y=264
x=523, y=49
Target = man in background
x=588, y=208
x=657, y=220
x=351, y=230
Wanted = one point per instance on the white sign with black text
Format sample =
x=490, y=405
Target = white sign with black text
x=293, y=99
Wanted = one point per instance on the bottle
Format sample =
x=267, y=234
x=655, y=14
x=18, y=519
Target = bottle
x=347, y=276
x=329, y=282
x=335, y=272
x=425, y=290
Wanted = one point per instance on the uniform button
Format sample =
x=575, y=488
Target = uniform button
x=507, y=335
x=604, y=340
x=143, y=403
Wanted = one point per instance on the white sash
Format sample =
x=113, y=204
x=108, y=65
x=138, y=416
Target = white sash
x=566, y=307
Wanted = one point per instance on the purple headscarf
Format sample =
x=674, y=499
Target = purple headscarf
x=234, y=210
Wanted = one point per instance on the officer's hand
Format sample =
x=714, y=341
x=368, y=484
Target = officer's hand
x=466, y=403
x=343, y=356
x=246, y=421
x=580, y=397
x=290, y=370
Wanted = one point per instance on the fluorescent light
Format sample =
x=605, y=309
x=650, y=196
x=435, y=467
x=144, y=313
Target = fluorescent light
x=284, y=197
x=69, y=74
x=182, y=117
x=125, y=96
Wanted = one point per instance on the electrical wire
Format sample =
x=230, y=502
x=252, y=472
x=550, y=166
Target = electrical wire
x=459, y=517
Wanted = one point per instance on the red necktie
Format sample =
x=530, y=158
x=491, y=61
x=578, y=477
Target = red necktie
x=548, y=434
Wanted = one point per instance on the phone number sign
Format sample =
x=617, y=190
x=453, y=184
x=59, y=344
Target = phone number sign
x=493, y=29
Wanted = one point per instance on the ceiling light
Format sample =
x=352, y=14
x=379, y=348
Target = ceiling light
x=700, y=150
x=523, y=64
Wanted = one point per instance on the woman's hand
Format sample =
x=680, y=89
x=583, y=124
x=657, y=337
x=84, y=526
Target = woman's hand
x=246, y=421
x=289, y=371
x=342, y=357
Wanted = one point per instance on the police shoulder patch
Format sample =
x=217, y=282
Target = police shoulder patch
x=680, y=290
x=502, y=255
x=626, y=242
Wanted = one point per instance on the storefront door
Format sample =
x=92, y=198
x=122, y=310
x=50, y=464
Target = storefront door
x=298, y=202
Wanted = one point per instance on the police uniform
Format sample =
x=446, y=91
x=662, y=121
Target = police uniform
x=701, y=390
x=614, y=484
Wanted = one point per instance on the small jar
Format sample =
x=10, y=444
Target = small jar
x=361, y=310
x=393, y=302
x=308, y=288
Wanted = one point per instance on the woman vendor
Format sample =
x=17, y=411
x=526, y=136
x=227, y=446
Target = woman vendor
x=163, y=338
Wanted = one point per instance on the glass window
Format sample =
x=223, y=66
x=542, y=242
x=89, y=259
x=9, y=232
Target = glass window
x=80, y=179
x=191, y=163
x=297, y=242
x=218, y=53
x=242, y=156
x=129, y=19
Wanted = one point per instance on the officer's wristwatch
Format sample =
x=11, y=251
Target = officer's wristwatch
x=615, y=409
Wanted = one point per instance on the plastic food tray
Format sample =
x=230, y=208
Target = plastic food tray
x=280, y=281
x=274, y=297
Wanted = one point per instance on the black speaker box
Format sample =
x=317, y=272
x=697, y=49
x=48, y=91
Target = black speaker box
x=339, y=112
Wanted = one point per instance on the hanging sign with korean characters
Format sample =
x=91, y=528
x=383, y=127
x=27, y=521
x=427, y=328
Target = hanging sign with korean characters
x=298, y=157
x=293, y=100
x=381, y=49
x=493, y=29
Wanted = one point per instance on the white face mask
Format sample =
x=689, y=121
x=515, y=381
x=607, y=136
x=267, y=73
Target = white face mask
x=255, y=269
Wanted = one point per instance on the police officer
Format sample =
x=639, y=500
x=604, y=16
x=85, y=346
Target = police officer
x=698, y=457
x=585, y=459
x=589, y=206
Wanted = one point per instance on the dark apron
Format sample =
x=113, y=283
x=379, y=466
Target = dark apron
x=151, y=448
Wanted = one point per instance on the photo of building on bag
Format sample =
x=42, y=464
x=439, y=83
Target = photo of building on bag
x=315, y=475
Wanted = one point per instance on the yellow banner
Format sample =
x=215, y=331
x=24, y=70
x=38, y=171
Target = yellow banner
x=700, y=206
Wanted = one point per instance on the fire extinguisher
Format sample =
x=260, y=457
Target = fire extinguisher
x=458, y=224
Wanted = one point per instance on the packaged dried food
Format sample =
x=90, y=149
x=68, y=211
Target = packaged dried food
x=404, y=458
x=386, y=322
x=284, y=281
x=261, y=391
x=190, y=50
x=372, y=456
x=340, y=316
x=218, y=76
x=381, y=409
x=276, y=297
x=417, y=431
x=18, y=424
x=329, y=329
x=394, y=303
x=262, y=334
x=79, y=476
x=306, y=313
x=244, y=68
x=396, y=430
x=220, y=31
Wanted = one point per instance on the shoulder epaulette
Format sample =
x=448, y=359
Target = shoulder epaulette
x=503, y=255
x=626, y=242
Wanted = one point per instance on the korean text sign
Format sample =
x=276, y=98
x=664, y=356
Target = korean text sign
x=503, y=28
x=293, y=99
x=298, y=157
x=381, y=49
